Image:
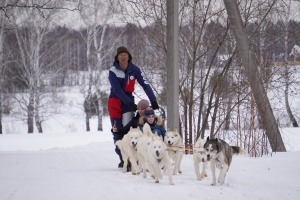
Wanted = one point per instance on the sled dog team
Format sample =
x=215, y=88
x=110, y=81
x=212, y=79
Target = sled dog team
x=149, y=152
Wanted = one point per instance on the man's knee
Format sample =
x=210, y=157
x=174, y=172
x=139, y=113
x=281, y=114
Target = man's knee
x=126, y=118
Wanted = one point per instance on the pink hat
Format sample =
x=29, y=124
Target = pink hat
x=143, y=104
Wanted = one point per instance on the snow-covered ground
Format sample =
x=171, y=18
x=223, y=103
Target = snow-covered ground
x=80, y=166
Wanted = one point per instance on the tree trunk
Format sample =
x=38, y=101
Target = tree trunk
x=87, y=121
x=287, y=105
x=30, y=112
x=38, y=122
x=100, y=127
x=185, y=120
x=227, y=113
x=214, y=117
x=256, y=84
x=38, y=125
x=100, y=112
x=90, y=79
x=1, y=65
x=1, y=113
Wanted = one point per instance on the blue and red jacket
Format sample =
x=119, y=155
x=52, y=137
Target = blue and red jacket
x=122, y=86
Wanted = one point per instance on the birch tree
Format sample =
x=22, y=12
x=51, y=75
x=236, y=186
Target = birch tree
x=3, y=22
x=95, y=15
x=30, y=30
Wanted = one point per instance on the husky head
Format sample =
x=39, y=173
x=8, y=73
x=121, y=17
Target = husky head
x=157, y=147
x=172, y=137
x=212, y=147
x=134, y=135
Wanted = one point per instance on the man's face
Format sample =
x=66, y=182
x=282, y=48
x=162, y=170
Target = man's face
x=123, y=59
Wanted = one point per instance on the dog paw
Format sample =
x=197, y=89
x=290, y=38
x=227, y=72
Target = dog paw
x=180, y=172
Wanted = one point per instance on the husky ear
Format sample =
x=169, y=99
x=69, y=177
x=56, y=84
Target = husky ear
x=144, y=126
x=207, y=138
x=152, y=138
x=156, y=135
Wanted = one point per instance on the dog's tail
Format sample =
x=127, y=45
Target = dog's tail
x=237, y=150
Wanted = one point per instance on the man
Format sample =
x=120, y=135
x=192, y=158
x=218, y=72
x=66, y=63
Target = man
x=121, y=105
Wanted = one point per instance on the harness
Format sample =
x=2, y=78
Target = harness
x=175, y=148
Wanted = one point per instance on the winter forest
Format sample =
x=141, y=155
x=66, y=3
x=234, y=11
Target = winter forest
x=48, y=45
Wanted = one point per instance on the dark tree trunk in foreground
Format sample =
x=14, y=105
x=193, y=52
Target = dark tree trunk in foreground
x=256, y=84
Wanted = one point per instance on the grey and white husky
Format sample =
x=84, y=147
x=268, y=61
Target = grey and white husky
x=219, y=153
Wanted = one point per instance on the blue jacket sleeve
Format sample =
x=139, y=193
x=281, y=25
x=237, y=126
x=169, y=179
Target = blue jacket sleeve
x=145, y=84
x=117, y=87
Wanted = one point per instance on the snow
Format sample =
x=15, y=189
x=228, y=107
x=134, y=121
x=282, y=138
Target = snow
x=68, y=163
x=84, y=166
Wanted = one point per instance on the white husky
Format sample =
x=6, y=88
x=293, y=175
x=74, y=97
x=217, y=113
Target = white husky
x=159, y=158
x=128, y=148
x=199, y=156
x=142, y=149
x=174, y=143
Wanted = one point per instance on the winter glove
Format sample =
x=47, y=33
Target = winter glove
x=120, y=131
x=154, y=105
x=133, y=106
